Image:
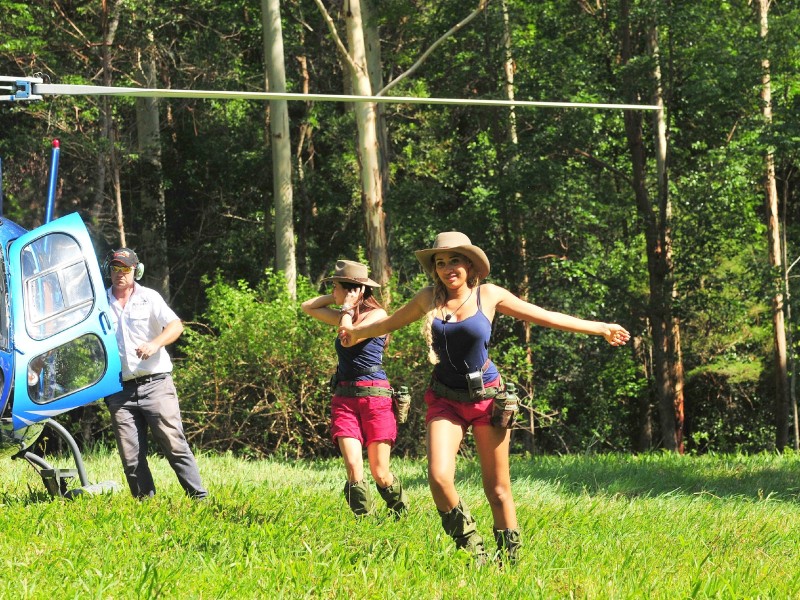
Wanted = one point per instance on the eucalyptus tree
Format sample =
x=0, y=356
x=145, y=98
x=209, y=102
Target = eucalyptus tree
x=657, y=221
x=775, y=251
x=358, y=56
x=280, y=144
x=372, y=187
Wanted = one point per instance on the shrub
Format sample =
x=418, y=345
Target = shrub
x=254, y=377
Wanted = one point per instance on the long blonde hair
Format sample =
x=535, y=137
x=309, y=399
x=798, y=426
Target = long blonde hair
x=439, y=299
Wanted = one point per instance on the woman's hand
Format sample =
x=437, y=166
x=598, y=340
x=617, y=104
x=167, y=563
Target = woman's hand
x=352, y=298
x=616, y=335
x=346, y=335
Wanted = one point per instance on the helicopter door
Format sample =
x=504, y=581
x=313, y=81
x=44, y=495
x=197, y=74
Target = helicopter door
x=66, y=353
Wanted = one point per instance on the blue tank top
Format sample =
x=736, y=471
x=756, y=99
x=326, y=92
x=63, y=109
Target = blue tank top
x=362, y=356
x=462, y=347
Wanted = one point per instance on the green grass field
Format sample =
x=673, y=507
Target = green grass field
x=610, y=526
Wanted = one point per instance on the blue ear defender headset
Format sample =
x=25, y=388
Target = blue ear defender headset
x=138, y=270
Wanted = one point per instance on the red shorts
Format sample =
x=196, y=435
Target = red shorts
x=368, y=419
x=460, y=413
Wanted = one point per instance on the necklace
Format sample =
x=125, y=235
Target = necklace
x=449, y=316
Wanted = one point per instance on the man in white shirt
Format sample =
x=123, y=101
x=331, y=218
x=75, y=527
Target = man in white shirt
x=144, y=325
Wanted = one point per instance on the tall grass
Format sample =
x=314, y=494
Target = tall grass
x=610, y=526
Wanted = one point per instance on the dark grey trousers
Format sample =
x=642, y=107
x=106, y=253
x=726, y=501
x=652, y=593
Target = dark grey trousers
x=154, y=406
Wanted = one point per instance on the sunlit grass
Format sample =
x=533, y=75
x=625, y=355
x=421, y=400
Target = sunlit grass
x=609, y=526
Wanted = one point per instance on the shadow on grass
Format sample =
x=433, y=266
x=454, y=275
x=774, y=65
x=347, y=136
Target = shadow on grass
x=409, y=477
x=754, y=477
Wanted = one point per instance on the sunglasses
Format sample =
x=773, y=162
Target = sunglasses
x=118, y=269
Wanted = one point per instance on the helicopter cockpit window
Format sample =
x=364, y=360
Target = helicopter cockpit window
x=66, y=369
x=57, y=286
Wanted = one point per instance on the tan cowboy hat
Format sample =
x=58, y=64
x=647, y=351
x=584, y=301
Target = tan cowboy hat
x=454, y=241
x=353, y=272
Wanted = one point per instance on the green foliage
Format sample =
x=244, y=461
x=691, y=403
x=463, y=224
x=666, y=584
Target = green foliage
x=254, y=379
x=255, y=375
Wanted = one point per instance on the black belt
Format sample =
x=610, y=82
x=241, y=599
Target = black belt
x=145, y=379
x=353, y=373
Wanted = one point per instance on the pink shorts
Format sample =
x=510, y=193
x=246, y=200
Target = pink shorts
x=460, y=413
x=368, y=419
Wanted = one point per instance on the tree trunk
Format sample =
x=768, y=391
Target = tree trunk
x=280, y=144
x=643, y=439
x=360, y=71
x=371, y=172
x=775, y=254
x=520, y=258
x=516, y=234
x=674, y=355
x=302, y=201
x=109, y=24
x=667, y=362
x=153, y=248
x=372, y=45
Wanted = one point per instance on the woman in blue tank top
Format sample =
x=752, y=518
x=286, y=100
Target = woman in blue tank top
x=458, y=312
x=361, y=407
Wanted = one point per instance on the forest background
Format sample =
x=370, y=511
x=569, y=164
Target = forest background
x=679, y=223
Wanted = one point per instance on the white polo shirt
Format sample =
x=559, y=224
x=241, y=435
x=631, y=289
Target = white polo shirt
x=145, y=316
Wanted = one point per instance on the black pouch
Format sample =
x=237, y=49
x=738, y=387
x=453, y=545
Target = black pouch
x=475, y=385
x=402, y=402
x=505, y=407
x=332, y=383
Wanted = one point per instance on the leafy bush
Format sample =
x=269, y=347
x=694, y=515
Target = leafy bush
x=254, y=379
x=254, y=376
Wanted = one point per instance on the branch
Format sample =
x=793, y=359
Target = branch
x=335, y=34
x=481, y=7
x=601, y=163
x=793, y=264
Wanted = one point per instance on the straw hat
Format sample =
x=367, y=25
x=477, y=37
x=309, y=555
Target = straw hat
x=454, y=241
x=353, y=272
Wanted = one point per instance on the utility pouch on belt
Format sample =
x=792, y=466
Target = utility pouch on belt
x=477, y=391
x=332, y=383
x=505, y=407
x=402, y=402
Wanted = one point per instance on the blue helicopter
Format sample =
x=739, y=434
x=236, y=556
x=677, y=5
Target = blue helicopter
x=57, y=347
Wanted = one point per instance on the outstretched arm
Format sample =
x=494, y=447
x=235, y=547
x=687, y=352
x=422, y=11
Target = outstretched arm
x=508, y=304
x=413, y=310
